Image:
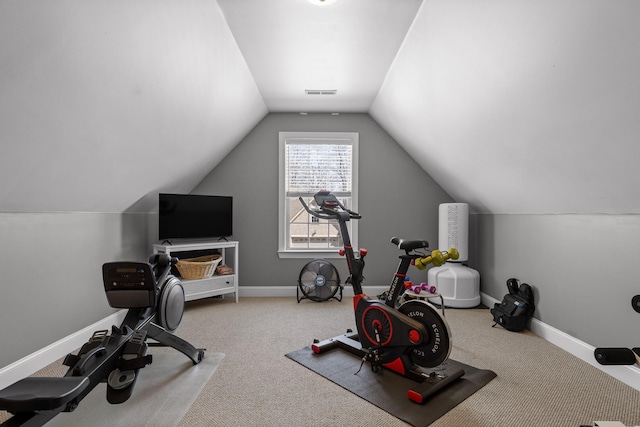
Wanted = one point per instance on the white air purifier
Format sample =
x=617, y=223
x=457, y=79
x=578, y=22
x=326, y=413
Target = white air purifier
x=458, y=284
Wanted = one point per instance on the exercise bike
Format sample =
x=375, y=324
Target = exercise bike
x=155, y=300
x=405, y=339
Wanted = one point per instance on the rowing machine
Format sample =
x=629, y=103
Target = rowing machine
x=155, y=302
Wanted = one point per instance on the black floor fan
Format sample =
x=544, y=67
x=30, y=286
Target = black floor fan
x=319, y=281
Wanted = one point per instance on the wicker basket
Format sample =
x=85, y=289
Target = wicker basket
x=198, y=268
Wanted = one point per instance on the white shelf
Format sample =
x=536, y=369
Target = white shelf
x=211, y=286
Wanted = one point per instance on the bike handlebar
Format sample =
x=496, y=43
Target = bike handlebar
x=312, y=212
x=330, y=212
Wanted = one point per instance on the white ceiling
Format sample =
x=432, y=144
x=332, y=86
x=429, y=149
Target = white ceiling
x=292, y=45
x=514, y=106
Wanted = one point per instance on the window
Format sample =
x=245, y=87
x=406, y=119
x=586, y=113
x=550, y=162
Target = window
x=310, y=162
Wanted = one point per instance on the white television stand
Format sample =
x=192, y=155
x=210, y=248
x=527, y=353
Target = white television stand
x=210, y=286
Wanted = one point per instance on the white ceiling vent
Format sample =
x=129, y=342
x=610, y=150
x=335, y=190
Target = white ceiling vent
x=321, y=92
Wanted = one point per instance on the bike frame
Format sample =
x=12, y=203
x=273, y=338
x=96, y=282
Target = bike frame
x=356, y=265
x=402, y=332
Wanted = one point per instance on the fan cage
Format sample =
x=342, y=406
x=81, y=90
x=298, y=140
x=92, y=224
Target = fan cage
x=319, y=281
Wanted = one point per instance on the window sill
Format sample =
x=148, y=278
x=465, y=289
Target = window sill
x=330, y=253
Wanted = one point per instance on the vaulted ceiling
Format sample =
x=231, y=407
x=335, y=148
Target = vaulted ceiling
x=511, y=105
x=292, y=46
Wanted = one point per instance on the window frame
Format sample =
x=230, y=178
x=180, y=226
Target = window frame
x=351, y=138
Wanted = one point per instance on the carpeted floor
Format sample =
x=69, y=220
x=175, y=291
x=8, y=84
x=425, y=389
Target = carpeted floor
x=162, y=395
x=255, y=384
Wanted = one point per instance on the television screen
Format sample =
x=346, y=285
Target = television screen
x=191, y=216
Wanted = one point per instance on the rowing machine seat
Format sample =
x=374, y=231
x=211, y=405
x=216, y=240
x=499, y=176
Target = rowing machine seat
x=41, y=393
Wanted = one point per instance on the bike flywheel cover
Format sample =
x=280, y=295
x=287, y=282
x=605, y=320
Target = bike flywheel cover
x=438, y=345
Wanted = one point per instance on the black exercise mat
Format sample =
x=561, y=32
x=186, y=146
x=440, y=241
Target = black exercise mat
x=388, y=390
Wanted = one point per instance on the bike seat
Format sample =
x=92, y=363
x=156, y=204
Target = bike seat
x=41, y=393
x=409, y=245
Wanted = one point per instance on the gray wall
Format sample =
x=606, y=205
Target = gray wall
x=51, y=284
x=583, y=268
x=396, y=198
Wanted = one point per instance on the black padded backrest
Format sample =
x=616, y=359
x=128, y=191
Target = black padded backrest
x=129, y=284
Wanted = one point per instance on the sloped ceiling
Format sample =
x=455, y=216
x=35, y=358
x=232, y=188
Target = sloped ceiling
x=292, y=46
x=511, y=105
x=103, y=103
x=521, y=106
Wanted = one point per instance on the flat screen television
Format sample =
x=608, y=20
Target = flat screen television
x=191, y=216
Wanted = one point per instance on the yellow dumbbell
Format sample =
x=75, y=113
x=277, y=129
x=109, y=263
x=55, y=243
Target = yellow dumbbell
x=453, y=253
x=437, y=258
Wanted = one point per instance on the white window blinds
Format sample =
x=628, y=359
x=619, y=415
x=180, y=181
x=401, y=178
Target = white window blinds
x=310, y=167
x=310, y=162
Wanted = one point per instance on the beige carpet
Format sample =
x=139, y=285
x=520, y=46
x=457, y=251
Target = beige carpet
x=537, y=383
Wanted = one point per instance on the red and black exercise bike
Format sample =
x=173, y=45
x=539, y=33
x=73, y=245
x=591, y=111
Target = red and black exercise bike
x=406, y=339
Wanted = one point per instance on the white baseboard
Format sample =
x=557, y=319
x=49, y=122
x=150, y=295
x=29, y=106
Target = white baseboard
x=628, y=374
x=26, y=366
x=49, y=354
x=290, y=291
x=43, y=357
